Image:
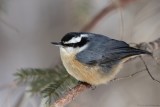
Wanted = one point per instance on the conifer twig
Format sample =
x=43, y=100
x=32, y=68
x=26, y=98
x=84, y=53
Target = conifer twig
x=71, y=95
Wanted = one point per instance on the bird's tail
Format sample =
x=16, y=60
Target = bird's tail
x=128, y=52
x=139, y=51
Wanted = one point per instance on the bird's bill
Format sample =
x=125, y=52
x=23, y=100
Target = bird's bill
x=56, y=43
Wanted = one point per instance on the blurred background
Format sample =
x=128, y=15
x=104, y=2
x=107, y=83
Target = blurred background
x=28, y=26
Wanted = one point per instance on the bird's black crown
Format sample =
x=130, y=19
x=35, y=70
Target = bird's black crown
x=66, y=40
x=69, y=36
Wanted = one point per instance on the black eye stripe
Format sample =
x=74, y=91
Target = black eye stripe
x=83, y=41
x=69, y=45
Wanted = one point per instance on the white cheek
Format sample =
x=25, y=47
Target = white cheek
x=71, y=50
x=67, y=50
x=84, y=35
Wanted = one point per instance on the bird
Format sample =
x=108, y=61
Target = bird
x=94, y=58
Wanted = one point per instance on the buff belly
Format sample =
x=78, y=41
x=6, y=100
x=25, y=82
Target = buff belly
x=90, y=74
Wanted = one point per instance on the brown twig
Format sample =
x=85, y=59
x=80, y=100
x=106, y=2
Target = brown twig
x=128, y=76
x=71, y=95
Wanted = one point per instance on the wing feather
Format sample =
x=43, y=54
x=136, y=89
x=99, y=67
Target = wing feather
x=106, y=52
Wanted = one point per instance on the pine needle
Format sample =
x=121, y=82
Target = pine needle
x=49, y=83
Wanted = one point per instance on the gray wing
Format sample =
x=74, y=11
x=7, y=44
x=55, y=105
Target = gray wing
x=106, y=52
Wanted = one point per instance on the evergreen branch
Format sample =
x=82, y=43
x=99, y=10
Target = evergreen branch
x=56, y=90
x=50, y=83
x=36, y=73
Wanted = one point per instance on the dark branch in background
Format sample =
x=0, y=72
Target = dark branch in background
x=104, y=12
x=98, y=17
x=8, y=24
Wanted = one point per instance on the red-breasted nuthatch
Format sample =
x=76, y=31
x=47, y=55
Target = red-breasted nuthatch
x=94, y=58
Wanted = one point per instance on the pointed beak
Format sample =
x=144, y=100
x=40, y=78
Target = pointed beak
x=56, y=43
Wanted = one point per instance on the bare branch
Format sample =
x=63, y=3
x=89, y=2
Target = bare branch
x=126, y=77
x=71, y=95
x=148, y=70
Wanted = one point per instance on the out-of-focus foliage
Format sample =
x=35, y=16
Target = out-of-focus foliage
x=50, y=83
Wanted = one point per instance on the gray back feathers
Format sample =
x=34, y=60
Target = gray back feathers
x=106, y=52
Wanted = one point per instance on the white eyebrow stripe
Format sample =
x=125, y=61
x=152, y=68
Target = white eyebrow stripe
x=76, y=39
x=84, y=35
